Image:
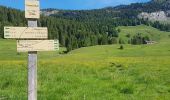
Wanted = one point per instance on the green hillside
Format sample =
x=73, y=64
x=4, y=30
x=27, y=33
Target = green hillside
x=138, y=72
x=154, y=34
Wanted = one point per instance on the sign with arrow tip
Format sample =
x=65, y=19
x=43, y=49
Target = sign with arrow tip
x=25, y=32
x=37, y=45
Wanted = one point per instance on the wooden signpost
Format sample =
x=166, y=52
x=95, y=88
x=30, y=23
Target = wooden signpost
x=37, y=45
x=32, y=9
x=32, y=12
x=25, y=32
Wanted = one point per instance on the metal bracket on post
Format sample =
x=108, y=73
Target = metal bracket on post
x=32, y=69
x=32, y=23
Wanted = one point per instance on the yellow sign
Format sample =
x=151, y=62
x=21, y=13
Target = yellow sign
x=37, y=45
x=32, y=9
x=26, y=32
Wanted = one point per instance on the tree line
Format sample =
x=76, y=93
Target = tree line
x=80, y=29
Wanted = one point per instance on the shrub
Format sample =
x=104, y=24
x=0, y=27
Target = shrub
x=121, y=47
x=126, y=90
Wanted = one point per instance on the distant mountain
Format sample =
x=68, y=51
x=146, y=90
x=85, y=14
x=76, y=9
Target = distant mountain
x=155, y=10
x=151, y=6
x=160, y=1
x=154, y=16
x=161, y=13
x=128, y=11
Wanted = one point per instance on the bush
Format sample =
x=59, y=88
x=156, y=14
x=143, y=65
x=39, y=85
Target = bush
x=121, y=47
x=126, y=90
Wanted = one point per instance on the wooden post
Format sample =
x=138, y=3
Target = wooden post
x=32, y=69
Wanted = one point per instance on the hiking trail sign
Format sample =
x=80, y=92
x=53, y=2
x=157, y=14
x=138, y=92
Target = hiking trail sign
x=25, y=32
x=32, y=9
x=31, y=39
x=37, y=45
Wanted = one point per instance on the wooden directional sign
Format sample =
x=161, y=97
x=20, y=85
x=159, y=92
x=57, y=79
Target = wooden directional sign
x=25, y=32
x=32, y=9
x=37, y=45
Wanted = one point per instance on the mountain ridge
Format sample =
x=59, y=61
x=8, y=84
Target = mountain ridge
x=151, y=6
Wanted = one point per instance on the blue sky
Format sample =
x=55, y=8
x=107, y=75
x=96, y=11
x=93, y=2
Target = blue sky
x=70, y=4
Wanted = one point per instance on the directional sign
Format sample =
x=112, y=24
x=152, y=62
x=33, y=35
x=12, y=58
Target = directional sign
x=25, y=32
x=37, y=45
x=32, y=9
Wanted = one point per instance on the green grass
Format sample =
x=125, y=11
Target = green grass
x=139, y=72
x=153, y=33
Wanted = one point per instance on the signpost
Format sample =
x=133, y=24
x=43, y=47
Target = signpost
x=37, y=45
x=25, y=32
x=32, y=9
x=32, y=12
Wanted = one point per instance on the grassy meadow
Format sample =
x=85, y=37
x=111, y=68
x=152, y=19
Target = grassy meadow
x=138, y=72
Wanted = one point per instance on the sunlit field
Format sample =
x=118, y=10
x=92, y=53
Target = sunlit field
x=138, y=72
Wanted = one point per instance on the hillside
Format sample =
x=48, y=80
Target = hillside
x=72, y=33
x=156, y=35
x=127, y=33
x=83, y=28
x=92, y=73
x=104, y=54
x=126, y=15
x=135, y=8
x=154, y=16
x=151, y=6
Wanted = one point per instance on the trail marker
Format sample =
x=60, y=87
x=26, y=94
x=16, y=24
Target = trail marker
x=32, y=9
x=37, y=45
x=25, y=32
x=32, y=12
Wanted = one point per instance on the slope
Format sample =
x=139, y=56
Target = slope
x=97, y=72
